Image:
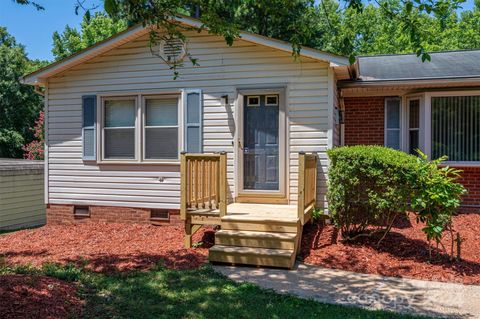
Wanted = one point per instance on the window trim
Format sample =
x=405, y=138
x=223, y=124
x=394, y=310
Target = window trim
x=103, y=128
x=101, y=97
x=400, y=125
x=428, y=128
x=179, y=125
x=425, y=134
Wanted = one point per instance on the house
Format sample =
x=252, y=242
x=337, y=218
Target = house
x=254, y=122
x=403, y=103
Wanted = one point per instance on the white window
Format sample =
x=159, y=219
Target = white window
x=413, y=120
x=161, y=130
x=393, y=123
x=136, y=128
x=455, y=127
x=119, y=138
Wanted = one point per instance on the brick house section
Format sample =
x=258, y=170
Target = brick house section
x=64, y=215
x=364, y=120
x=364, y=125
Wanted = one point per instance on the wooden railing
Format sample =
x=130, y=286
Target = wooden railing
x=203, y=183
x=307, y=185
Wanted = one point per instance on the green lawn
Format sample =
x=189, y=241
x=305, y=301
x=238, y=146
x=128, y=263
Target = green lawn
x=200, y=293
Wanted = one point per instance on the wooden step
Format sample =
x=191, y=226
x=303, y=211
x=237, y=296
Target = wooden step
x=283, y=258
x=278, y=226
x=246, y=238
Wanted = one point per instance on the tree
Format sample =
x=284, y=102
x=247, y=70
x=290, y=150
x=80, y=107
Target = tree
x=19, y=104
x=35, y=149
x=92, y=30
x=290, y=17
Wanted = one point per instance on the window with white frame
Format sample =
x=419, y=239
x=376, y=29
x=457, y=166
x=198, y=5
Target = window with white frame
x=413, y=113
x=161, y=128
x=393, y=123
x=140, y=128
x=455, y=128
x=119, y=128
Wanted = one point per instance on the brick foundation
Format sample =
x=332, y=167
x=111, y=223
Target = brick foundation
x=364, y=120
x=64, y=215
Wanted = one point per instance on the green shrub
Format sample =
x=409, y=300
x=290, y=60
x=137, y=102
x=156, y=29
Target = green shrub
x=370, y=186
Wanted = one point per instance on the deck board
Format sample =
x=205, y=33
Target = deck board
x=266, y=212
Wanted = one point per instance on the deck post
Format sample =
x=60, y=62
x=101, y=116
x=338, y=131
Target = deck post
x=301, y=187
x=183, y=185
x=223, y=184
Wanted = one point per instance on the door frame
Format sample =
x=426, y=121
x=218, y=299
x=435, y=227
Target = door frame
x=262, y=196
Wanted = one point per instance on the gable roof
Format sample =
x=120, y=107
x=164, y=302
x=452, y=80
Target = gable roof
x=38, y=77
x=443, y=65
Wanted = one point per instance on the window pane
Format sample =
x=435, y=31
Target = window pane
x=393, y=113
x=120, y=143
x=161, y=112
x=120, y=113
x=414, y=114
x=456, y=127
x=393, y=139
x=161, y=143
x=413, y=142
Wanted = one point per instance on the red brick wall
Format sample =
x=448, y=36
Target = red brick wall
x=471, y=180
x=364, y=125
x=364, y=120
x=63, y=214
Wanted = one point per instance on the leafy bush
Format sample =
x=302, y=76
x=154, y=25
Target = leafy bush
x=370, y=186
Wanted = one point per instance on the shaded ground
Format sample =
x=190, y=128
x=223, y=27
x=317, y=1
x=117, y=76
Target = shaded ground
x=404, y=253
x=105, y=247
x=32, y=296
x=196, y=293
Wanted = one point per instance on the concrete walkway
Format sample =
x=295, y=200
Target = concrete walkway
x=368, y=291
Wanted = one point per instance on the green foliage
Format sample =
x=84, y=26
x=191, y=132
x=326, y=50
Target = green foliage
x=318, y=214
x=92, y=30
x=371, y=185
x=368, y=186
x=19, y=104
x=437, y=195
x=198, y=293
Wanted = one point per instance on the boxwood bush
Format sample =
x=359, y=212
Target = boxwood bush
x=370, y=186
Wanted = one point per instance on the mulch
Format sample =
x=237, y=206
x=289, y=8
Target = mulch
x=105, y=247
x=403, y=253
x=28, y=296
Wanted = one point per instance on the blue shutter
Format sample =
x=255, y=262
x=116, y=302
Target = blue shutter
x=89, y=116
x=193, y=110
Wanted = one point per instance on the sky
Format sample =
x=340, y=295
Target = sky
x=34, y=28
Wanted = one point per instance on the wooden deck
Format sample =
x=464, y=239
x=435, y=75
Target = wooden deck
x=253, y=234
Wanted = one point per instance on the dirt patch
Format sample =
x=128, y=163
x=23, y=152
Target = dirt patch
x=26, y=296
x=105, y=247
x=403, y=253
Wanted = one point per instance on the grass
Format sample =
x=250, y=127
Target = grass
x=199, y=293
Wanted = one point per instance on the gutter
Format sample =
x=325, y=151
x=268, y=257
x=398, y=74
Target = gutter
x=475, y=80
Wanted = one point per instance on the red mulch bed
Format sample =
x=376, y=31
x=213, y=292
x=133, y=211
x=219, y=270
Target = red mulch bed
x=105, y=247
x=26, y=296
x=403, y=253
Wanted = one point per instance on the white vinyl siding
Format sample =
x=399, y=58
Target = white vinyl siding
x=222, y=70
